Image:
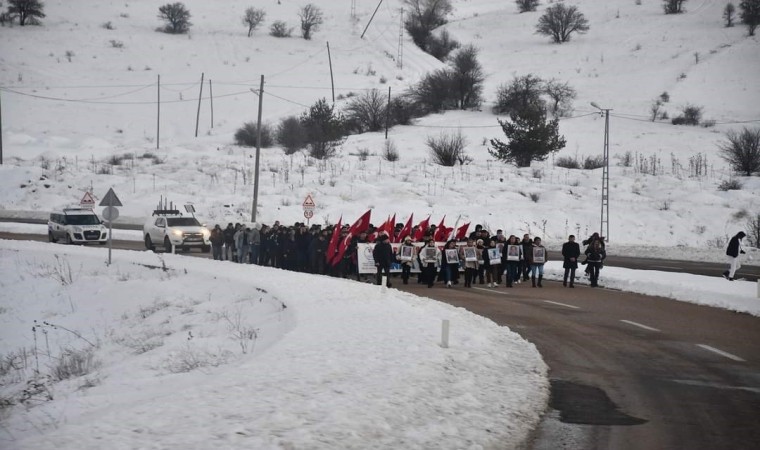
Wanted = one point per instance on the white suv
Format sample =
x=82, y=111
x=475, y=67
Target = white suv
x=168, y=228
x=76, y=226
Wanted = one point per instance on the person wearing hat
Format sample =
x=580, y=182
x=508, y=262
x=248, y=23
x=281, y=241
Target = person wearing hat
x=732, y=254
x=383, y=255
x=406, y=265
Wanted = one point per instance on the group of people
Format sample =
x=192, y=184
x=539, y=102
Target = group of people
x=484, y=258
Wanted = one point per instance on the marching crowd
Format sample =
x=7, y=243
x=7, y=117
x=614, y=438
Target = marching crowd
x=484, y=258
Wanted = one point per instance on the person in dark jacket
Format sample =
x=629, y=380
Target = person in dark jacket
x=317, y=250
x=570, y=253
x=586, y=243
x=595, y=255
x=217, y=241
x=527, y=244
x=733, y=251
x=383, y=254
x=229, y=242
x=511, y=259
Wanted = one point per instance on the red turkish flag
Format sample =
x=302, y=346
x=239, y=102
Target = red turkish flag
x=407, y=230
x=361, y=225
x=462, y=231
x=333, y=241
x=422, y=229
x=440, y=232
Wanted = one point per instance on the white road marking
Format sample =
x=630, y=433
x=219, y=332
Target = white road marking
x=561, y=304
x=718, y=386
x=492, y=290
x=720, y=352
x=636, y=324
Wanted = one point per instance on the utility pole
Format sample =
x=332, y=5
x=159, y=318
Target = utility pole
x=604, y=225
x=258, y=152
x=388, y=113
x=332, y=82
x=370, y=19
x=400, y=52
x=198, y=115
x=1, y=133
x=158, y=112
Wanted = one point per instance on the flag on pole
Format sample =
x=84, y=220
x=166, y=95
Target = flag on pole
x=462, y=231
x=334, y=240
x=361, y=225
x=407, y=230
x=440, y=231
x=422, y=229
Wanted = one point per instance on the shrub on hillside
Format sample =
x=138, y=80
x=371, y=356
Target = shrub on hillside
x=732, y=184
x=561, y=95
x=750, y=14
x=522, y=94
x=567, y=162
x=280, y=29
x=673, y=6
x=246, y=135
x=526, y=5
x=440, y=46
x=728, y=14
x=423, y=17
x=403, y=110
x=690, y=115
x=291, y=135
x=366, y=112
x=448, y=149
x=324, y=129
x=593, y=162
x=390, y=152
x=176, y=16
x=431, y=93
x=753, y=230
x=530, y=137
x=466, y=78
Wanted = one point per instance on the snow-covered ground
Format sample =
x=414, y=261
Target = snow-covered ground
x=332, y=361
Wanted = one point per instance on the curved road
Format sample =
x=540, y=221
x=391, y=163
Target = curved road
x=627, y=371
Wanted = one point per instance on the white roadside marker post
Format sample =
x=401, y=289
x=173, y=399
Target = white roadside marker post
x=758, y=288
x=384, y=281
x=445, y=333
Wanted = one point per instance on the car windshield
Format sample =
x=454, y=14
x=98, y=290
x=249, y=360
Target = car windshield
x=82, y=219
x=182, y=222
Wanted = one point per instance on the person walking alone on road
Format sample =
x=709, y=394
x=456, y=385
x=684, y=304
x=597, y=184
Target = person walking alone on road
x=570, y=253
x=732, y=253
x=595, y=255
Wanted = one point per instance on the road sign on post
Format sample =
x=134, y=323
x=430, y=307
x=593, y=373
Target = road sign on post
x=87, y=201
x=308, y=208
x=110, y=214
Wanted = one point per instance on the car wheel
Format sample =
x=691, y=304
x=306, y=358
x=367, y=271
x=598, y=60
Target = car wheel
x=167, y=245
x=68, y=239
x=103, y=242
x=149, y=244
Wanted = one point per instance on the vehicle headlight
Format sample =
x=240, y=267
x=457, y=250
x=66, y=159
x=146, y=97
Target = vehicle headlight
x=177, y=233
x=77, y=229
x=206, y=233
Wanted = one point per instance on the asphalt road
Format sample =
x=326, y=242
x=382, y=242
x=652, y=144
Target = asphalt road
x=627, y=371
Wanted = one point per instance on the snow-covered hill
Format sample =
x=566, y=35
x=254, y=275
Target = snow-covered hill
x=65, y=116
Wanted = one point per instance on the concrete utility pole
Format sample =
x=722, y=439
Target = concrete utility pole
x=604, y=225
x=258, y=152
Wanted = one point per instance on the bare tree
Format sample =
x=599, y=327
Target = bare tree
x=27, y=11
x=562, y=95
x=523, y=94
x=367, y=111
x=253, y=18
x=559, y=21
x=466, y=77
x=750, y=14
x=311, y=19
x=742, y=150
x=673, y=6
x=176, y=16
x=728, y=14
x=425, y=16
x=448, y=149
x=526, y=5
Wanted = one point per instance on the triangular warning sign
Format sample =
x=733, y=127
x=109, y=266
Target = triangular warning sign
x=110, y=199
x=309, y=202
x=87, y=200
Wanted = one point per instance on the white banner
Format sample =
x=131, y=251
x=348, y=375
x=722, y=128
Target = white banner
x=366, y=262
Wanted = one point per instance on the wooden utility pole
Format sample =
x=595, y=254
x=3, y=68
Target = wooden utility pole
x=370, y=19
x=211, y=99
x=258, y=152
x=158, y=112
x=1, y=133
x=332, y=81
x=198, y=115
x=388, y=113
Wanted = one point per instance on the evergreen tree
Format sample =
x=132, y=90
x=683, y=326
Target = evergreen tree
x=530, y=137
x=323, y=128
x=750, y=14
